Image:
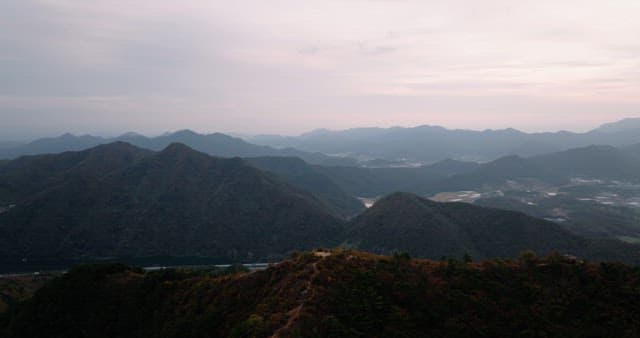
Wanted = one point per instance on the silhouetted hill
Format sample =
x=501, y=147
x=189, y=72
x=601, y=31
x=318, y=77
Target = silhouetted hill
x=214, y=144
x=118, y=200
x=600, y=162
x=493, y=173
x=344, y=294
x=624, y=125
x=408, y=223
x=299, y=173
x=592, y=161
x=291, y=170
x=28, y=175
x=49, y=145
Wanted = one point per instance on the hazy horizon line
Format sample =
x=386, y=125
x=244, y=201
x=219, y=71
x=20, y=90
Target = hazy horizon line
x=245, y=136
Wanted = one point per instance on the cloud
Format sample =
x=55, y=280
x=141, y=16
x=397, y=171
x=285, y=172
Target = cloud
x=286, y=66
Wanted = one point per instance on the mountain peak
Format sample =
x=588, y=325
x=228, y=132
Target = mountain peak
x=130, y=134
x=185, y=132
x=178, y=202
x=177, y=148
x=401, y=197
x=627, y=124
x=406, y=222
x=177, y=152
x=400, y=203
x=111, y=155
x=115, y=146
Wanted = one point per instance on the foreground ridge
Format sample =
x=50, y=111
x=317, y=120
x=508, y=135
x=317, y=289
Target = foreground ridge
x=342, y=293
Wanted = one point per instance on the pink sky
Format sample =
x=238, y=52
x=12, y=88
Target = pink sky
x=287, y=67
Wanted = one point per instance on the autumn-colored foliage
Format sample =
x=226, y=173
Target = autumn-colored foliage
x=342, y=293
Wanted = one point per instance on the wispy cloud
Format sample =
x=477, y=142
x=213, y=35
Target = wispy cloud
x=286, y=66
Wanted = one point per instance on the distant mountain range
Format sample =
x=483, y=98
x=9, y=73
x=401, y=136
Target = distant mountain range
x=214, y=144
x=600, y=162
x=357, y=180
x=432, y=143
x=367, y=147
x=624, y=125
x=118, y=200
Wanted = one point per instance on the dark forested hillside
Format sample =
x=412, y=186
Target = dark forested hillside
x=118, y=200
x=29, y=175
x=593, y=161
x=299, y=173
x=406, y=222
x=341, y=294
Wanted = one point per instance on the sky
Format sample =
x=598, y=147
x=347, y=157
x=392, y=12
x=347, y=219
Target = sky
x=287, y=67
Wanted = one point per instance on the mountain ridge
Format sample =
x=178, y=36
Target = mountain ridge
x=217, y=144
x=119, y=200
x=405, y=222
x=177, y=202
x=434, y=143
x=339, y=293
x=626, y=124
